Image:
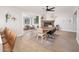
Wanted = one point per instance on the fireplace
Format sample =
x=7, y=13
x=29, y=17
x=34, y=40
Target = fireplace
x=47, y=23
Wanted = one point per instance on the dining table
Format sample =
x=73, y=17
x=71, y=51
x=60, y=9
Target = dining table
x=1, y=45
x=46, y=29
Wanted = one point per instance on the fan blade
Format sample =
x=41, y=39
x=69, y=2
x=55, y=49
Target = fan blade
x=49, y=9
x=52, y=8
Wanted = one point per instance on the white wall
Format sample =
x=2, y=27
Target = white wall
x=66, y=23
x=16, y=25
x=18, y=13
x=64, y=19
x=64, y=16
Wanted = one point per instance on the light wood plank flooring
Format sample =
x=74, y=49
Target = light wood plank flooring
x=63, y=42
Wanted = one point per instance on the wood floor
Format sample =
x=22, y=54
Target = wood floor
x=63, y=42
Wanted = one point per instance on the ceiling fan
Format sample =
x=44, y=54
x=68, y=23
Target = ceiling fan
x=50, y=9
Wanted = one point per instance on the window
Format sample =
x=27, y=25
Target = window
x=27, y=20
x=36, y=20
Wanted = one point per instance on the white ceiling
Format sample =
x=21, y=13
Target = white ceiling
x=58, y=9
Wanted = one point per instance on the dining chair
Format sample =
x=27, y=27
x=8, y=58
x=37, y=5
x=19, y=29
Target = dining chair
x=12, y=39
x=8, y=40
x=51, y=33
x=5, y=38
x=40, y=34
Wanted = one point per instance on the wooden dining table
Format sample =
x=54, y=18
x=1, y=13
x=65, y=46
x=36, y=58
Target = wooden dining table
x=1, y=45
x=46, y=29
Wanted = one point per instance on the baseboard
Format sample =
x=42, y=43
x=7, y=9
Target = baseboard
x=19, y=35
x=68, y=30
x=77, y=41
x=77, y=38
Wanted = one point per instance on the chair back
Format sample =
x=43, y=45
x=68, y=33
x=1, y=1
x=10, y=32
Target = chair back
x=51, y=31
x=40, y=30
x=10, y=36
x=12, y=39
